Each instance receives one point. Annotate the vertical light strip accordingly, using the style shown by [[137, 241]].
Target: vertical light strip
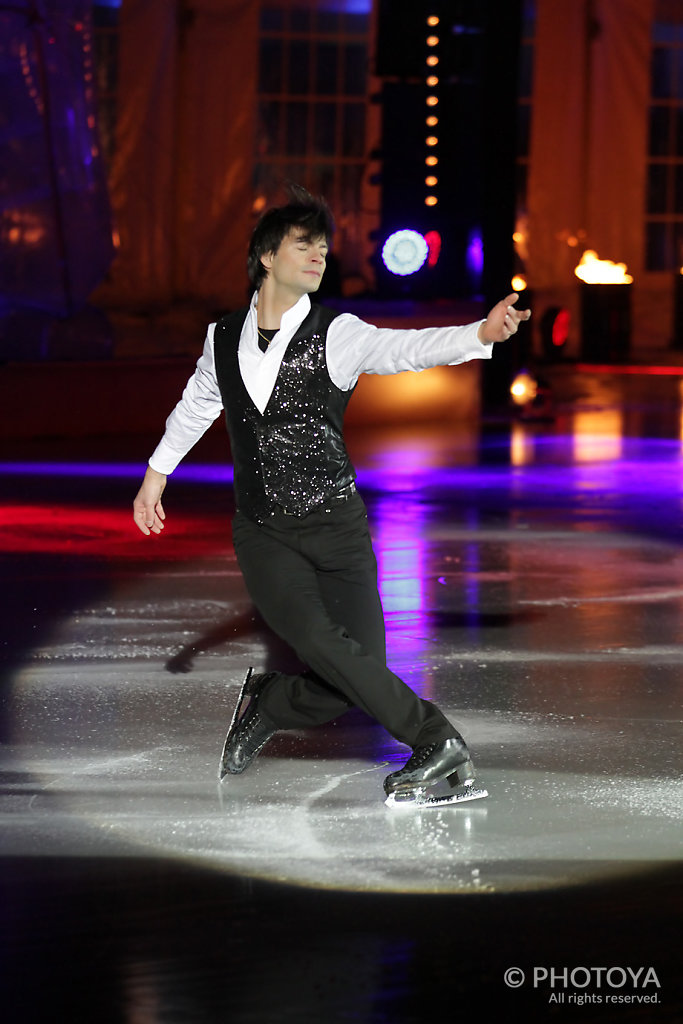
[[432, 76]]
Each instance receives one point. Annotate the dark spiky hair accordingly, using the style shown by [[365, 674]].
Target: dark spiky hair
[[310, 213]]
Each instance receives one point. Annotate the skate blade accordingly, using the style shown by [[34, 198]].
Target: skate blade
[[417, 798], [244, 692]]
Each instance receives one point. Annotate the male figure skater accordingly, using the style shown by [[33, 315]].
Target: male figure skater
[[284, 370]]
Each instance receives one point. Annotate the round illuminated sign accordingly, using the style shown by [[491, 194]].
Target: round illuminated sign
[[404, 252]]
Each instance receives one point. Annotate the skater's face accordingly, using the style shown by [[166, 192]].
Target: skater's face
[[298, 265]]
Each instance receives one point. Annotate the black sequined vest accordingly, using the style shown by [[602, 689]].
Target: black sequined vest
[[293, 454]]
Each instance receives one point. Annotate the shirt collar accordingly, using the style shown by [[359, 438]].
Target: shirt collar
[[296, 314]]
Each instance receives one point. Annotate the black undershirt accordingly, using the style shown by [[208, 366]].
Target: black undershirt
[[266, 336]]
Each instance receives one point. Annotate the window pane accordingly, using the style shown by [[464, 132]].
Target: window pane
[[355, 66], [353, 141], [295, 141], [105, 17], [300, 19], [327, 22], [297, 173], [356, 24], [299, 67], [270, 66], [677, 66], [272, 19], [658, 247], [268, 137], [323, 181], [326, 69], [351, 175], [664, 32], [656, 188], [661, 73], [659, 143], [325, 129]]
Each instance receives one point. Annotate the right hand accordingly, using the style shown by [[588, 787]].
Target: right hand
[[503, 321], [148, 512]]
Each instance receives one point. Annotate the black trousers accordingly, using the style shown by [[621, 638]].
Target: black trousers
[[314, 581]]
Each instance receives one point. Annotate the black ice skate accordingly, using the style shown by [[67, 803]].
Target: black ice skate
[[417, 784], [248, 732]]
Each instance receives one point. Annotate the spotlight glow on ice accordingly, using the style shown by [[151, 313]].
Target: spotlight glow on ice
[[404, 252]]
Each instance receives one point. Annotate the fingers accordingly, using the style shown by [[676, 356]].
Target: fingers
[[148, 518], [503, 321], [144, 520], [157, 526], [513, 317], [518, 314], [139, 520], [510, 323]]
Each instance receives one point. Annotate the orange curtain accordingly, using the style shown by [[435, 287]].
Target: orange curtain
[[558, 139], [589, 135], [181, 180], [619, 130]]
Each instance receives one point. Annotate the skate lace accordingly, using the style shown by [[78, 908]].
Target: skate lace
[[420, 755]]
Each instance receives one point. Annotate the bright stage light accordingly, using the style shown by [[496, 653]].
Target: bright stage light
[[404, 252], [524, 388]]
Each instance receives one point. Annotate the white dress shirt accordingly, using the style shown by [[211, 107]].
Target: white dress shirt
[[353, 347]]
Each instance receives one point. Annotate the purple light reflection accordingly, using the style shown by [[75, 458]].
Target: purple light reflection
[[398, 530], [657, 469], [472, 568], [652, 473], [626, 476], [200, 474]]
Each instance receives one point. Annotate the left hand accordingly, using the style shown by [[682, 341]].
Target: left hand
[[503, 321], [148, 512]]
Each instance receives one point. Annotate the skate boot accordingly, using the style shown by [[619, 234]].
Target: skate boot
[[248, 732], [415, 784]]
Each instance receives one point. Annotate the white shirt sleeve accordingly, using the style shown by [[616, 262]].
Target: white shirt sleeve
[[355, 347], [200, 405]]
